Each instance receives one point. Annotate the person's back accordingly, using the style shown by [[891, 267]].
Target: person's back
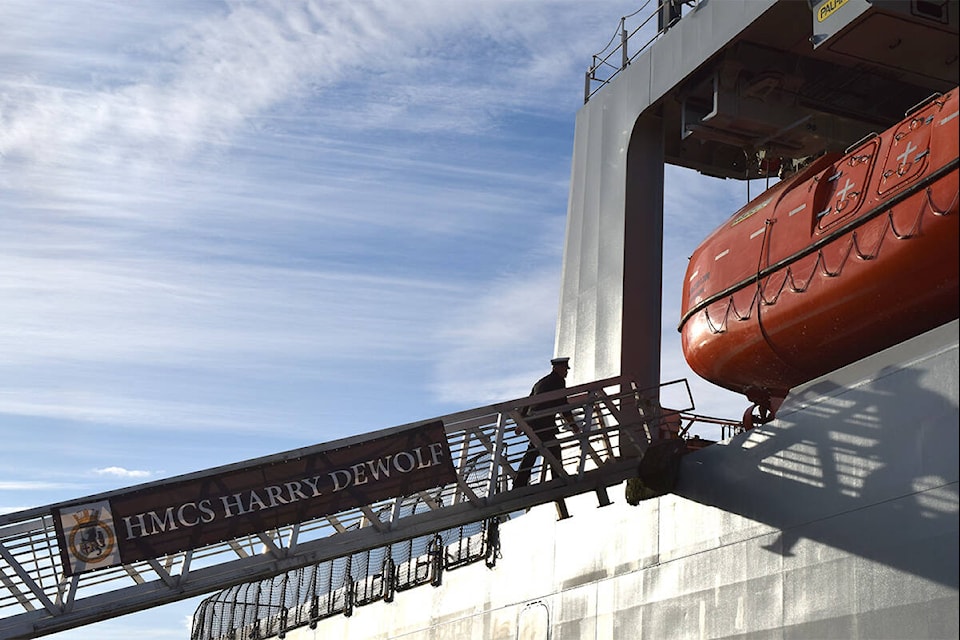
[[553, 381], [545, 427]]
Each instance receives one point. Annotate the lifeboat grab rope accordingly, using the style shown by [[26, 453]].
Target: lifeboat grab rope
[[764, 282], [933, 208]]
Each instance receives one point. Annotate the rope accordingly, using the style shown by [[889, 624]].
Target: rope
[[764, 277]]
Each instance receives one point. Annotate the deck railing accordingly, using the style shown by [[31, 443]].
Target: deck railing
[[616, 55]]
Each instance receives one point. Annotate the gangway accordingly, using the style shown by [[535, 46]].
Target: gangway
[[65, 565]]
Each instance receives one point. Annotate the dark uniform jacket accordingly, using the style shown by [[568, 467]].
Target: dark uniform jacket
[[550, 382]]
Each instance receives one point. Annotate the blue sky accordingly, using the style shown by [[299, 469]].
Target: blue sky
[[229, 229]]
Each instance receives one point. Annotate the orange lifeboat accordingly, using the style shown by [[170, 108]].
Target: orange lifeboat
[[854, 254]]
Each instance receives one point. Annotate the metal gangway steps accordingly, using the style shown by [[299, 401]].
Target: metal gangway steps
[[42, 591]]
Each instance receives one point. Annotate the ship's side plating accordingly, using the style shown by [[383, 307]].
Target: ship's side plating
[[838, 520]]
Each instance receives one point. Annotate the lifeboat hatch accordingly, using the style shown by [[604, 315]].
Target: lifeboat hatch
[[842, 188], [909, 150]]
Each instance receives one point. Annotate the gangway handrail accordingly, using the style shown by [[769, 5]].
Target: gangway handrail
[[618, 420]]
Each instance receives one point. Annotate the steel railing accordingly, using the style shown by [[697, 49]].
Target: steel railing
[[616, 56], [617, 422]]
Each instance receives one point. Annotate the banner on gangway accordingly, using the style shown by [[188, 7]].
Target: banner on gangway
[[165, 518]]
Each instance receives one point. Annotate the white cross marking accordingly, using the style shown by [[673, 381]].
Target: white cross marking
[[846, 187], [906, 152]]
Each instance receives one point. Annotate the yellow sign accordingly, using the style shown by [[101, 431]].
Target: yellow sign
[[749, 212], [828, 8]]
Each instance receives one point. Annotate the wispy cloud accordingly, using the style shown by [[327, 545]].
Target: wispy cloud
[[220, 191], [120, 472], [190, 265], [30, 485], [204, 78], [499, 342]]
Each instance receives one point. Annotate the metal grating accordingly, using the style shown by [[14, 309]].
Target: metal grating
[[303, 597]]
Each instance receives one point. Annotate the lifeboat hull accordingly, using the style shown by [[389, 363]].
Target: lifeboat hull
[[850, 256]]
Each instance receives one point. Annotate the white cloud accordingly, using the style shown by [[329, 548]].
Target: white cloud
[[200, 79], [30, 485], [141, 411], [120, 472], [129, 311], [496, 345]]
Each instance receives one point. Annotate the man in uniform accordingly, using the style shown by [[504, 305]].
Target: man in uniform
[[545, 426]]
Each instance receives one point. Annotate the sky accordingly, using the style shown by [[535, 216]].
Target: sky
[[230, 229]]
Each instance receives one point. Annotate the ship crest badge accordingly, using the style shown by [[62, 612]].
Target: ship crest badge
[[90, 539]]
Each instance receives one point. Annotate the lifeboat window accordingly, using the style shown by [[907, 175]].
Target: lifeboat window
[[842, 189], [909, 150]]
